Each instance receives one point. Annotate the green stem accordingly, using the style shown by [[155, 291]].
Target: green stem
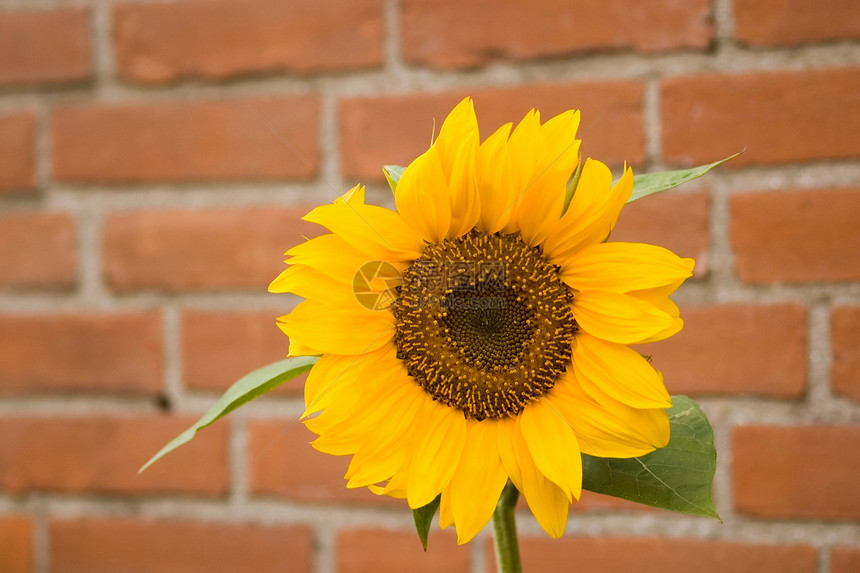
[[505, 529]]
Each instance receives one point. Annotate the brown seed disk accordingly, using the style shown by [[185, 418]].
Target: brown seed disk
[[484, 324]]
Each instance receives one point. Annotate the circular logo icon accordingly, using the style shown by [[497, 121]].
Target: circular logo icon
[[374, 285]]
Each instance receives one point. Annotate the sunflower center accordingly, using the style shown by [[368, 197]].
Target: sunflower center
[[484, 324]]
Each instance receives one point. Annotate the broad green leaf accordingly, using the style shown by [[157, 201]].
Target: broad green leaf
[[393, 174], [650, 183], [244, 390], [423, 517], [678, 477]]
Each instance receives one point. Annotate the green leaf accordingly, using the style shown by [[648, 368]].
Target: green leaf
[[678, 477], [574, 181], [393, 174], [650, 183], [423, 517], [244, 390]]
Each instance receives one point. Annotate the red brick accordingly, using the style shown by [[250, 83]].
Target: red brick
[[791, 22], [384, 551], [218, 348], [149, 546], [283, 463], [777, 117], [16, 544], [677, 221], [845, 345], [451, 33], [38, 250], [844, 560], [17, 148], [796, 236], [45, 47], [736, 349], [163, 42], [186, 141], [236, 248], [803, 472], [82, 352], [385, 130], [659, 555], [102, 455]]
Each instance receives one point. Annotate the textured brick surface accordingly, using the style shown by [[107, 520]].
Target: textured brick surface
[[149, 546], [792, 22], [16, 544], [162, 42], [381, 551], [736, 349], [797, 236], [118, 353], [452, 33], [101, 454], [218, 348], [186, 141], [38, 250], [47, 46], [237, 248], [845, 345], [776, 117], [844, 560], [385, 130], [17, 148], [803, 472], [660, 555]]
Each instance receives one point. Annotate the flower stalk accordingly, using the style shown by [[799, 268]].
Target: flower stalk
[[505, 532]]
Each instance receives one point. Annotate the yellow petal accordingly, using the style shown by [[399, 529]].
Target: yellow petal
[[331, 255], [619, 371], [553, 447], [375, 231], [478, 482], [446, 515], [505, 445], [618, 317], [423, 199], [335, 329], [457, 145], [437, 454], [498, 196], [307, 282], [624, 267], [548, 502]]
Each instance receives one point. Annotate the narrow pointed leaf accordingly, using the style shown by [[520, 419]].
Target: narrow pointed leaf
[[678, 477], [650, 183], [574, 181], [423, 517], [244, 390], [392, 175]]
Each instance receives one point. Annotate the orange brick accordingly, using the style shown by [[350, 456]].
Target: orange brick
[[283, 463], [17, 148], [187, 141], [47, 46], [218, 348], [385, 130], [736, 349], [677, 221], [16, 544], [659, 555], [102, 455], [236, 248], [844, 560], [845, 345], [777, 117], [149, 546], [802, 472], [82, 352], [796, 236], [383, 551], [38, 250], [163, 42], [452, 33], [791, 22]]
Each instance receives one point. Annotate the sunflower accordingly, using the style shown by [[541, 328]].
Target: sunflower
[[502, 353]]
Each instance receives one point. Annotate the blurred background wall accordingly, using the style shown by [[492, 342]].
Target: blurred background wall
[[155, 158]]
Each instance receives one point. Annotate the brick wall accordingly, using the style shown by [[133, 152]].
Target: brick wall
[[154, 160]]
